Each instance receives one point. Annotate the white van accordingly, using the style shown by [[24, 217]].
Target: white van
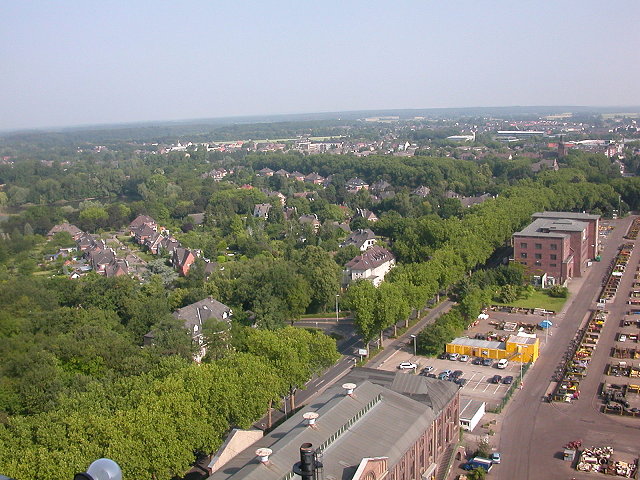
[[503, 363]]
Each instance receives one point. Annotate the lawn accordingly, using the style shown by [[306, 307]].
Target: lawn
[[538, 299]]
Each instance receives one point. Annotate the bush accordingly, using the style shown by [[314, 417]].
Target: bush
[[558, 291]]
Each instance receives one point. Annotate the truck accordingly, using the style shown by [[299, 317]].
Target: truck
[[478, 462]]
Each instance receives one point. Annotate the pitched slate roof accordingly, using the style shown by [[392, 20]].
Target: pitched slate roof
[[359, 237], [142, 220], [71, 229], [375, 421], [372, 258], [198, 312]]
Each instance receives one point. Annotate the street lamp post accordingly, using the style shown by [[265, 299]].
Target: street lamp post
[[414, 345], [521, 362], [337, 307]]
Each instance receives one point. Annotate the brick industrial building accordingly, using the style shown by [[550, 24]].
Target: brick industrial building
[[557, 246], [393, 425]]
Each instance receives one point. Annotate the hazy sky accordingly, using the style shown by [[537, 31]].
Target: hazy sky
[[85, 62]]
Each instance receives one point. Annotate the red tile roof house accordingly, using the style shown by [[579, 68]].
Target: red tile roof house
[[182, 259], [557, 246], [372, 265]]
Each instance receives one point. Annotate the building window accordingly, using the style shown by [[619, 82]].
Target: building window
[[538, 263], [523, 245], [553, 246], [553, 265], [538, 246], [553, 257], [523, 263], [538, 256], [523, 255]]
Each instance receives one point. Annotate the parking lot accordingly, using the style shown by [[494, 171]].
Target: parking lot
[[478, 378]]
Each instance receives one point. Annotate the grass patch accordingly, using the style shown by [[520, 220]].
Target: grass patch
[[538, 299]]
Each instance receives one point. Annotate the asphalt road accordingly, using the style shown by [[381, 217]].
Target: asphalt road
[[533, 433]]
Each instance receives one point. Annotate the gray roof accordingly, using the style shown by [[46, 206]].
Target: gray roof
[[552, 227], [474, 342], [571, 215], [430, 391], [197, 313], [372, 258], [359, 237], [375, 421], [469, 407]]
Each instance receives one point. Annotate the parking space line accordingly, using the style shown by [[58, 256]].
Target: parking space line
[[496, 390], [486, 387]]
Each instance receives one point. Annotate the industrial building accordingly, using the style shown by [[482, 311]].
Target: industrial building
[[519, 348], [557, 246], [379, 424]]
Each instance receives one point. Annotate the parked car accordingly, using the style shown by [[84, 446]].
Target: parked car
[[508, 380], [427, 369], [457, 374], [407, 366], [464, 358], [477, 361], [487, 362], [443, 356], [443, 376], [454, 356], [496, 379], [461, 382], [495, 457], [622, 338], [502, 363]]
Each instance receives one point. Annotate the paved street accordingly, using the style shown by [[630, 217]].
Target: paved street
[[532, 432]]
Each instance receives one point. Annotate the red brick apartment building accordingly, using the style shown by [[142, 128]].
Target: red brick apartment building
[[557, 246]]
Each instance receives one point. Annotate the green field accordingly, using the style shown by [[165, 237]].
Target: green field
[[538, 299]]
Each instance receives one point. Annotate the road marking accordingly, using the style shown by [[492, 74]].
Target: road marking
[[487, 386], [497, 388]]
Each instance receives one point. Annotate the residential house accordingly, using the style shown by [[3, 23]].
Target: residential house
[[366, 214], [265, 172], [282, 173], [182, 259], [380, 186], [311, 219], [422, 191], [297, 176], [261, 210], [314, 178], [117, 268], [217, 174], [85, 242], [271, 193], [471, 201], [196, 314], [71, 229], [356, 184], [372, 265], [142, 233], [141, 220], [361, 238]]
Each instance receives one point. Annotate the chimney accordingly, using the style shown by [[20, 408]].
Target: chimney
[[308, 465], [263, 455], [310, 417], [349, 387]]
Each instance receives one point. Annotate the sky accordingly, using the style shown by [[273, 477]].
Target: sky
[[71, 63]]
